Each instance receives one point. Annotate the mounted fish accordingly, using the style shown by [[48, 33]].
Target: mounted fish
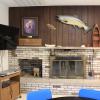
[[70, 20]]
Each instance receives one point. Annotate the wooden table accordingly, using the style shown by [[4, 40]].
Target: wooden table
[[10, 86]]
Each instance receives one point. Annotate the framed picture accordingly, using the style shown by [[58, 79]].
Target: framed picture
[[30, 26]]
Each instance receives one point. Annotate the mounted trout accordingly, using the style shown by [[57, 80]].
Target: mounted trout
[[70, 20]]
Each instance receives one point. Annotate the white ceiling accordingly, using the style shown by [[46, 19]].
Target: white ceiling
[[19, 3]]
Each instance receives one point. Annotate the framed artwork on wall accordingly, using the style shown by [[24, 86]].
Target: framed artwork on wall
[[30, 26]]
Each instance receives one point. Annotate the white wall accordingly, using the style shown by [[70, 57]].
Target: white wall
[[3, 54], [3, 14]]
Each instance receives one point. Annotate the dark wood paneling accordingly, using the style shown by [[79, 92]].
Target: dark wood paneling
[[53, 22], [44, 19], [85, 19], [64, 35], [65, 29], [59, 28]]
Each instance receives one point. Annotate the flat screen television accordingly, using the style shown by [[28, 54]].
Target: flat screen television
[[8, 37]]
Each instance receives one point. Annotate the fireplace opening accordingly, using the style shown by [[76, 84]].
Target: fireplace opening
[[67, 67], [31, 67]]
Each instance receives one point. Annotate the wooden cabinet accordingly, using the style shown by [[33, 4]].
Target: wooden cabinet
[[30, 42], [10, 86], [96, 36], [15, 89], [5, 93]]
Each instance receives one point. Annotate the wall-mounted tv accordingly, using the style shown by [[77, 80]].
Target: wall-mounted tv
[[8, 37]]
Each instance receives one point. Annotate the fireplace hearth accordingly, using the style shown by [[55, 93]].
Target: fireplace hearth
[[31, 67]]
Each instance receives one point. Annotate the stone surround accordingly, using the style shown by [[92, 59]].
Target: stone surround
[[58, 86]]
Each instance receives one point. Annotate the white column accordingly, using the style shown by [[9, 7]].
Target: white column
[[3, 53], [3, 60]]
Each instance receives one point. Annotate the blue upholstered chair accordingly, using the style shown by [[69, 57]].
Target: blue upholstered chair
[[89, 93], [43, 94]]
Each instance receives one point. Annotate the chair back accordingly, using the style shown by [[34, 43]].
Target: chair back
[[43, 94], [89, 93]]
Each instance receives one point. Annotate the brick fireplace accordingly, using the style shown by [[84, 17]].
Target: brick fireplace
[[86, 61]]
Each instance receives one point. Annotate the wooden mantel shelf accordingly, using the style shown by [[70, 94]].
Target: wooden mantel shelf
[[43, 47], [30, 42]]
